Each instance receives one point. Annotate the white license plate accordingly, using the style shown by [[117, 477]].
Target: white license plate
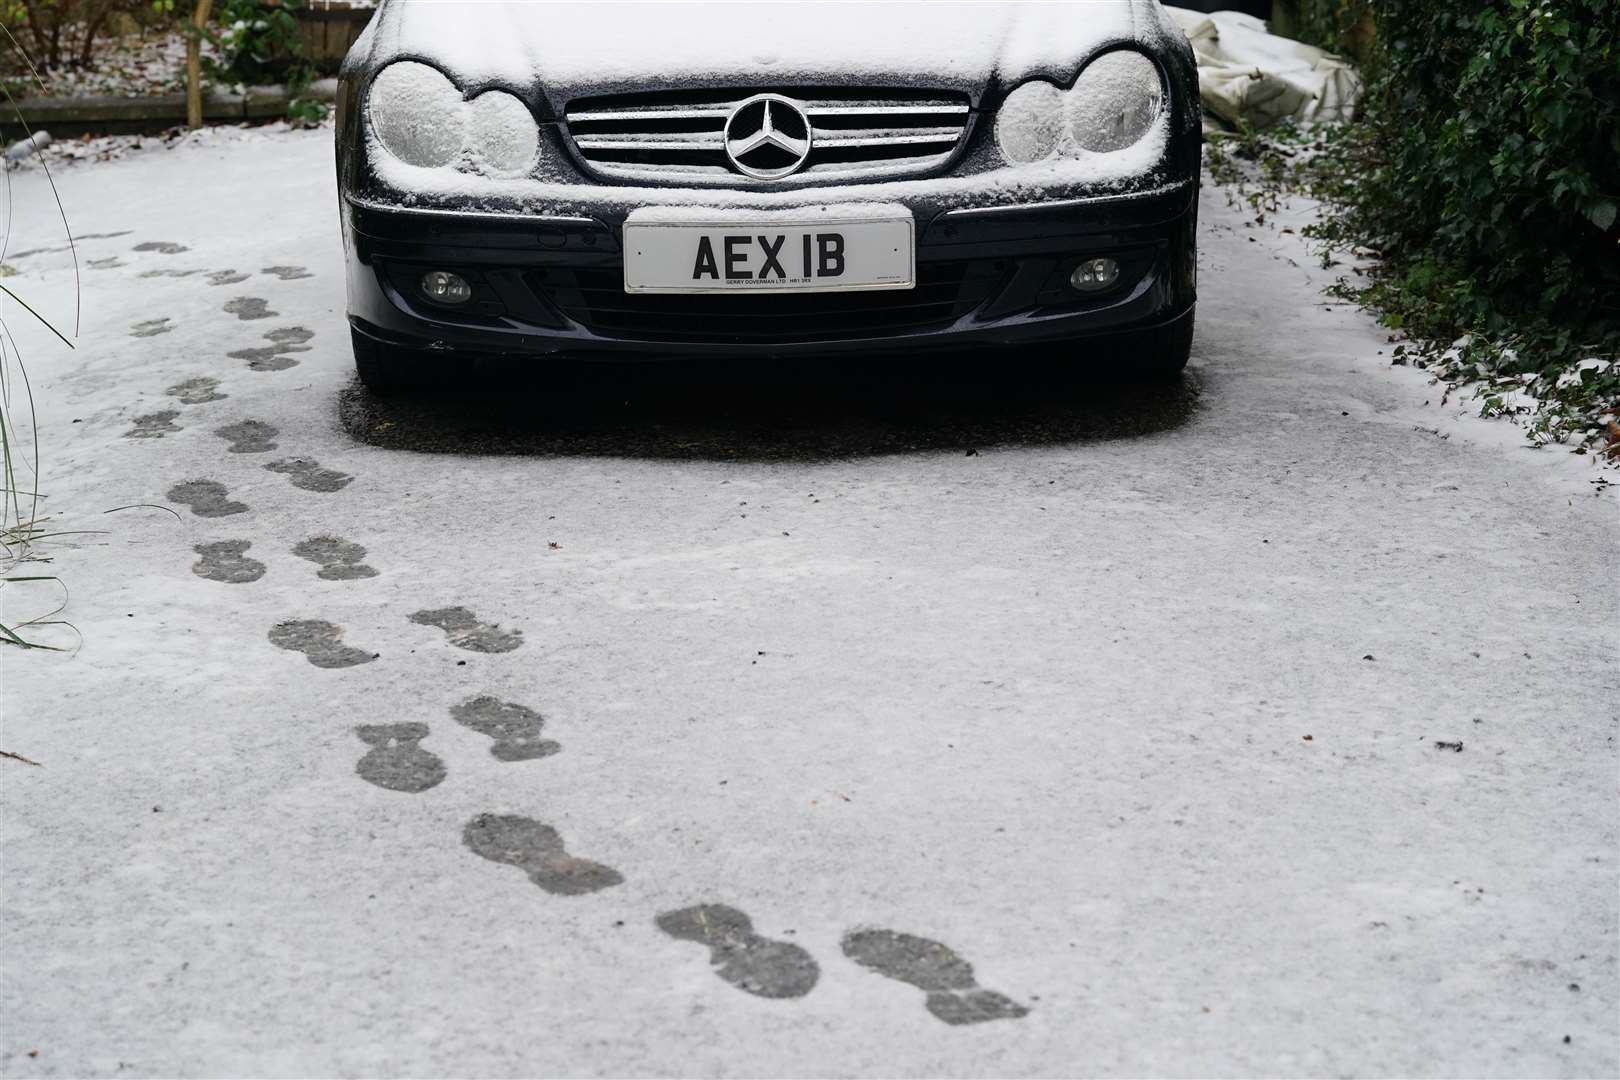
[[769, 255]]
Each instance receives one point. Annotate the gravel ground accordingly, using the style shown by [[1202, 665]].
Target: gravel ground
[[926, 718]]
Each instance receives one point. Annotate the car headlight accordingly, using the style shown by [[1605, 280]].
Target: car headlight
[[1114, 102], [1029, 123], [503, 137], [418, 114], [1112, 105], [421, 118]]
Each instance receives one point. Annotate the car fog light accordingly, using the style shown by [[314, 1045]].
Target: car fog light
[[1095, 275], [443, 287]]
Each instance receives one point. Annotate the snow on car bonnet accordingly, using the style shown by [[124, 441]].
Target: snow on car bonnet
[[578, 49], [552, 53]]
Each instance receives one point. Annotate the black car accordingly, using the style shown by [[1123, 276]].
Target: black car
[[767, 179]]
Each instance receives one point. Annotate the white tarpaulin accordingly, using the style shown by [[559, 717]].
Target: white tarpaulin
[[1248, 75]]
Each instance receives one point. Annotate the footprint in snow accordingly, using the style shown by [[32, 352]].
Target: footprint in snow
[[226, 277], [198, 391], [249, 307], [248, 436], [168, 273], [151, 328], [162, 247], [321, 643], [153, 425], [538, 851], [287, 273], [339, 559], [464, 630], [207, 498], [224, 560], [307, 473], [105, 264], [515, 728], [953, 994], [273, 357], [395, 761], [290, 336], [746, 960], [265, 358]]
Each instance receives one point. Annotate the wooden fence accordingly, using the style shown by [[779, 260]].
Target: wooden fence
[[329, 28]]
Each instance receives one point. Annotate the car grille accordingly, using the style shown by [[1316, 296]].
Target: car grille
[[595, 298], [853, 133]]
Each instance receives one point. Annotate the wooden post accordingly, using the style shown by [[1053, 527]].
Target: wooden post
[[199, 20]]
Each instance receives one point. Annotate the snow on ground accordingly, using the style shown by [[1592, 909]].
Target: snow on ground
[[90, 150], [1143, 703], [129, 65]]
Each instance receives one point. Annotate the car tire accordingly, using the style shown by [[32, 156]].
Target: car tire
[[384, 369], [1165, 351]]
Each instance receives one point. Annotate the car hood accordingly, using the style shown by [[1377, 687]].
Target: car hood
[[551, 53]]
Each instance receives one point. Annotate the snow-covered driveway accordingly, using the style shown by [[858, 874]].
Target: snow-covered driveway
[[940, 722]]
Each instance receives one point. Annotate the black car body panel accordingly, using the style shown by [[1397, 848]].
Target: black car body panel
[[994, 247]]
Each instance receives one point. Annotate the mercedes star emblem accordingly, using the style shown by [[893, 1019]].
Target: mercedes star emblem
[[768, 137]]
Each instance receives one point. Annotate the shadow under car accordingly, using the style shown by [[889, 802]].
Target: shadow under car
[[783, 411]]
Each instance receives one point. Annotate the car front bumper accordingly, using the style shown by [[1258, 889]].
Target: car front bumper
[[985, 278]]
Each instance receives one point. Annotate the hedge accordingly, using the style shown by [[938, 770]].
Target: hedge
[[1488, 167], [1486, 174]]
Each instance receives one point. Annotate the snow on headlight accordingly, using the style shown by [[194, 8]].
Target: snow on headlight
[[503, 136], [420, 118], [1115, 102], [1113, 105], [417, 114], [1029, 122]]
